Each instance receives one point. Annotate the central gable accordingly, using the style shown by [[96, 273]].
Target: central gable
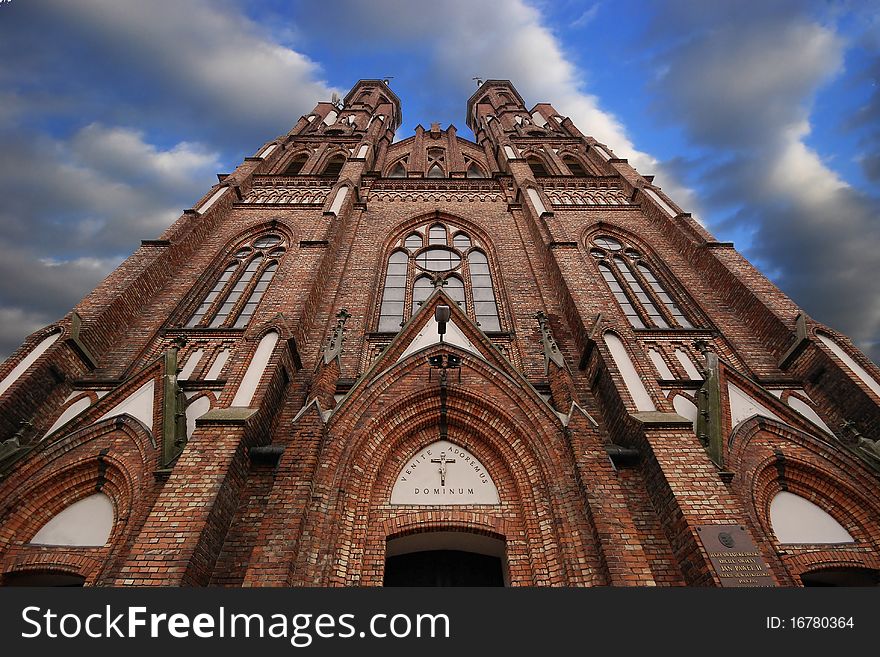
[[430, 335]]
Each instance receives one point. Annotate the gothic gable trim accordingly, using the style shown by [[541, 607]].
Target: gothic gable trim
[[486, 352]]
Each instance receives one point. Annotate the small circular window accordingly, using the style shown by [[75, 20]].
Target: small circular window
[[608, 243], [267, 240], [438, 258]]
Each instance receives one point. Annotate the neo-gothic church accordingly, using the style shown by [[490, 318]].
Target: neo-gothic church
[[510, 361]]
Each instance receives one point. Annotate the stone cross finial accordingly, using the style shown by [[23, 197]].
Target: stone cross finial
[[334, 345]]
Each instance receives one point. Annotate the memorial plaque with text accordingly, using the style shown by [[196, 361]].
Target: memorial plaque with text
[[736, 560]]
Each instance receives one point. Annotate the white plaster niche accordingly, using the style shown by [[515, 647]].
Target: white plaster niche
[[341, 193], [204, 207], [806, 410], [194, 411], [441, 474], [217, 365], [86, 523], [191, 363], [251, 380], [688, 365], [685, 408], [535, 198], [139, 404], [627, 370], [660, 364], [430, 335], [268, 150], [743, 406], [27, 361], [659, 201], [798, 520], [70, 412], [850, 362]]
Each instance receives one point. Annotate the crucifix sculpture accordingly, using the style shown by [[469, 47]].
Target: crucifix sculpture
[[442, 469]]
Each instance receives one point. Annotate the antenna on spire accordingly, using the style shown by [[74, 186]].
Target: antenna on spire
[[479, 82]]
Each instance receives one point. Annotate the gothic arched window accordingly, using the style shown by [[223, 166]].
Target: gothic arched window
[[296, 165], [334, 165], [424, 259], [575, 167], [474, 171], [234, 298], [398, 170], [436, 163], [537, 166], [642, 297]]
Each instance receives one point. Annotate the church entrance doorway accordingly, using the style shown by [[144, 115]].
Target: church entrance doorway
[[842, 577], [445, 559], [30, 578]]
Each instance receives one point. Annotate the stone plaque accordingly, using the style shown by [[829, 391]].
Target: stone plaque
[[734, 556], [444, 473]]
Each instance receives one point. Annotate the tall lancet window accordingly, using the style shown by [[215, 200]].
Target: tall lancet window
[[645, 301], [234, 297], [433, 255]]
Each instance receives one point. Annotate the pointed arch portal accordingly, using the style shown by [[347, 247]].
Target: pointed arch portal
[[445, 558]]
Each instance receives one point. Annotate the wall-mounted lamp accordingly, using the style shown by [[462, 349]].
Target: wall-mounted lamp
[[441, 316]]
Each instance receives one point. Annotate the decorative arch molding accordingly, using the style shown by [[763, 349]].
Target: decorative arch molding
[[299, 154], [819, 562], [769, 457], [49, 563], [114, 457], [522, 448], [528, 154], [34, 348], [468, 524], [334, 151]]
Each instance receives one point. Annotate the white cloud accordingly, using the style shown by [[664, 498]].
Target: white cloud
[[76, 208], [742, 86], [519, 47], [202, 57], [587, 17]]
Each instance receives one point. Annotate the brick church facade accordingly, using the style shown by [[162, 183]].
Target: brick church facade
[[508, 361]]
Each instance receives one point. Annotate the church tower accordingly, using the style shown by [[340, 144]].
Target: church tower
[[508, 361]]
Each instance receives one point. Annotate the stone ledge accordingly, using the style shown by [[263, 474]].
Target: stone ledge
[[231, 415], [657, 418]]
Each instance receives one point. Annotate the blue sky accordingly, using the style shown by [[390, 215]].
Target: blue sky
[[763, 118]]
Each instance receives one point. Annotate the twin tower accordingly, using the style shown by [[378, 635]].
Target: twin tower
[[509, 361]]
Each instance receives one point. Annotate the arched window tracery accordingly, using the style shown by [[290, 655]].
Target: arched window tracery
[[644, 300], [450, 258], [234, 297]]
